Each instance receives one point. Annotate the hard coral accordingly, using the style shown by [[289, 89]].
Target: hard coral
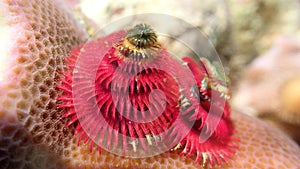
[[36, 137], [37, 35]]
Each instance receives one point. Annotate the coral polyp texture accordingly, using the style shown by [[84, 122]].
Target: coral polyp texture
[[33, 134], [38, 34], [142, 99]]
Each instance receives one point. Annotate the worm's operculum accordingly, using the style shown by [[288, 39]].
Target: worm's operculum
[[140, 43]]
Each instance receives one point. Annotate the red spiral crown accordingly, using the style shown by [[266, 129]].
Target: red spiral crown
[[143, 97]]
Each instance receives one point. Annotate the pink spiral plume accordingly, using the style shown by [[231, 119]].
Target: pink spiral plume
[[212, 97], [140, 99], [36, 40]]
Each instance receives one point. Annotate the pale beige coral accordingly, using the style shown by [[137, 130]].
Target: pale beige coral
[[32, 133], [264, 77], [290, 100], [270, 86]]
